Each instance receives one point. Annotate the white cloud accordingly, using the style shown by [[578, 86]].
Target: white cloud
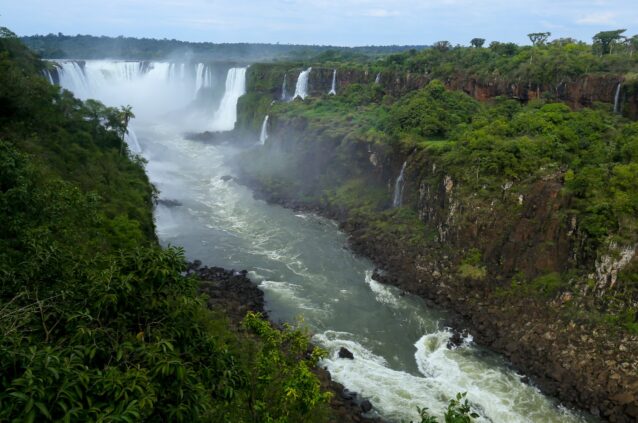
[[605, 18], [381, 13]]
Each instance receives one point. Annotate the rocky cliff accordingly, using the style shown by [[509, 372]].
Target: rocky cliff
[[492, 257], [266, 83]]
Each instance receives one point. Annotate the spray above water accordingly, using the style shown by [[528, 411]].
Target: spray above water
[[301, 89]]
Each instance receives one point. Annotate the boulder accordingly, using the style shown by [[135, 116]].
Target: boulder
[[345, 353], [366, 406]]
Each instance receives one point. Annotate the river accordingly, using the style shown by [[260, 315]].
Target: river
[[310, 277]]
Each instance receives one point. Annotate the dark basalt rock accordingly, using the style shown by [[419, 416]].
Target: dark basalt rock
[[345, 353], [209, 137], [366, 406], [456, 340], [232, 292], [168, 203], [228, 290]]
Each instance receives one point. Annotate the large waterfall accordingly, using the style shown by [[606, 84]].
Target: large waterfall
[[263, 136], [377, 80], [301, 89], [226, 115], [617, 98], [398, 187], [156, 89], [333, 90]]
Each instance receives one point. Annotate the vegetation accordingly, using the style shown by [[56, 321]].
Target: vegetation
[[97, 322], [458, 411], [60, 46], [495, 152]]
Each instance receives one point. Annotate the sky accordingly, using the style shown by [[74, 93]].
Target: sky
[[326, 22]]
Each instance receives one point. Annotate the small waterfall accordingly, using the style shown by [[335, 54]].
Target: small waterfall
[[284, 88], [203, 77], [398, 187], [49, 76], [301, 90], [226, 115], [617, 104], [263, 136], [333, 90], [377, 80], [132, 142]]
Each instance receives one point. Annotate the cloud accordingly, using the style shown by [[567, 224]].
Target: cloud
[[381, 13], [606, 18], [337, 22]]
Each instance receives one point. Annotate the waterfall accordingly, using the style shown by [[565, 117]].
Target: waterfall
[[617, 98], [73, 78], [226, 115], [333, 90], [203, 77], [284, 88], [398, 187], [377, 80], [301, 90], [49, 76], [264, 131], [132, 142]]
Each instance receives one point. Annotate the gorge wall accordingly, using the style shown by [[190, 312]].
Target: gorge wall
[[492, 257], [265, 81]]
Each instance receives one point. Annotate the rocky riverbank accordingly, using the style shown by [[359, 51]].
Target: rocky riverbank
[[234, 294], [585, 365]]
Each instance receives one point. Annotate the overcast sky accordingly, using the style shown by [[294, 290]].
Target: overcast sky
[[335, 22]]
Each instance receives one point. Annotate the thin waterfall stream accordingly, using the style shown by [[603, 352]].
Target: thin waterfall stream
[[402, 360]]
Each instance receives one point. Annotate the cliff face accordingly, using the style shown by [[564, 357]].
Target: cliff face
[[520, 237], [577, 93]]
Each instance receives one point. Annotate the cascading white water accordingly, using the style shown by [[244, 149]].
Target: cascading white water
[[226, 115], [617, 98], [263, 136], [49, 76], [301, 89], [284, 88], [132, 141], [398, 187], [333, 90], [72, 77], [203, 77], [377, 80]]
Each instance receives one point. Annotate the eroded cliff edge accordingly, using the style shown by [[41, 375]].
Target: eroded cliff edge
[[515, 259]]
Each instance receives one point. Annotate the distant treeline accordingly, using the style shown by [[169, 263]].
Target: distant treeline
[[90, 47]]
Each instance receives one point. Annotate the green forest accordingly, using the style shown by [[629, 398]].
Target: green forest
[[483, 146], [60, 46], [97, 322]]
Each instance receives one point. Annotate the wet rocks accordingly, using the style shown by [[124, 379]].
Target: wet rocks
[[168, 203], [232, 292], [228, 290], [345, 353], [366, 406]]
